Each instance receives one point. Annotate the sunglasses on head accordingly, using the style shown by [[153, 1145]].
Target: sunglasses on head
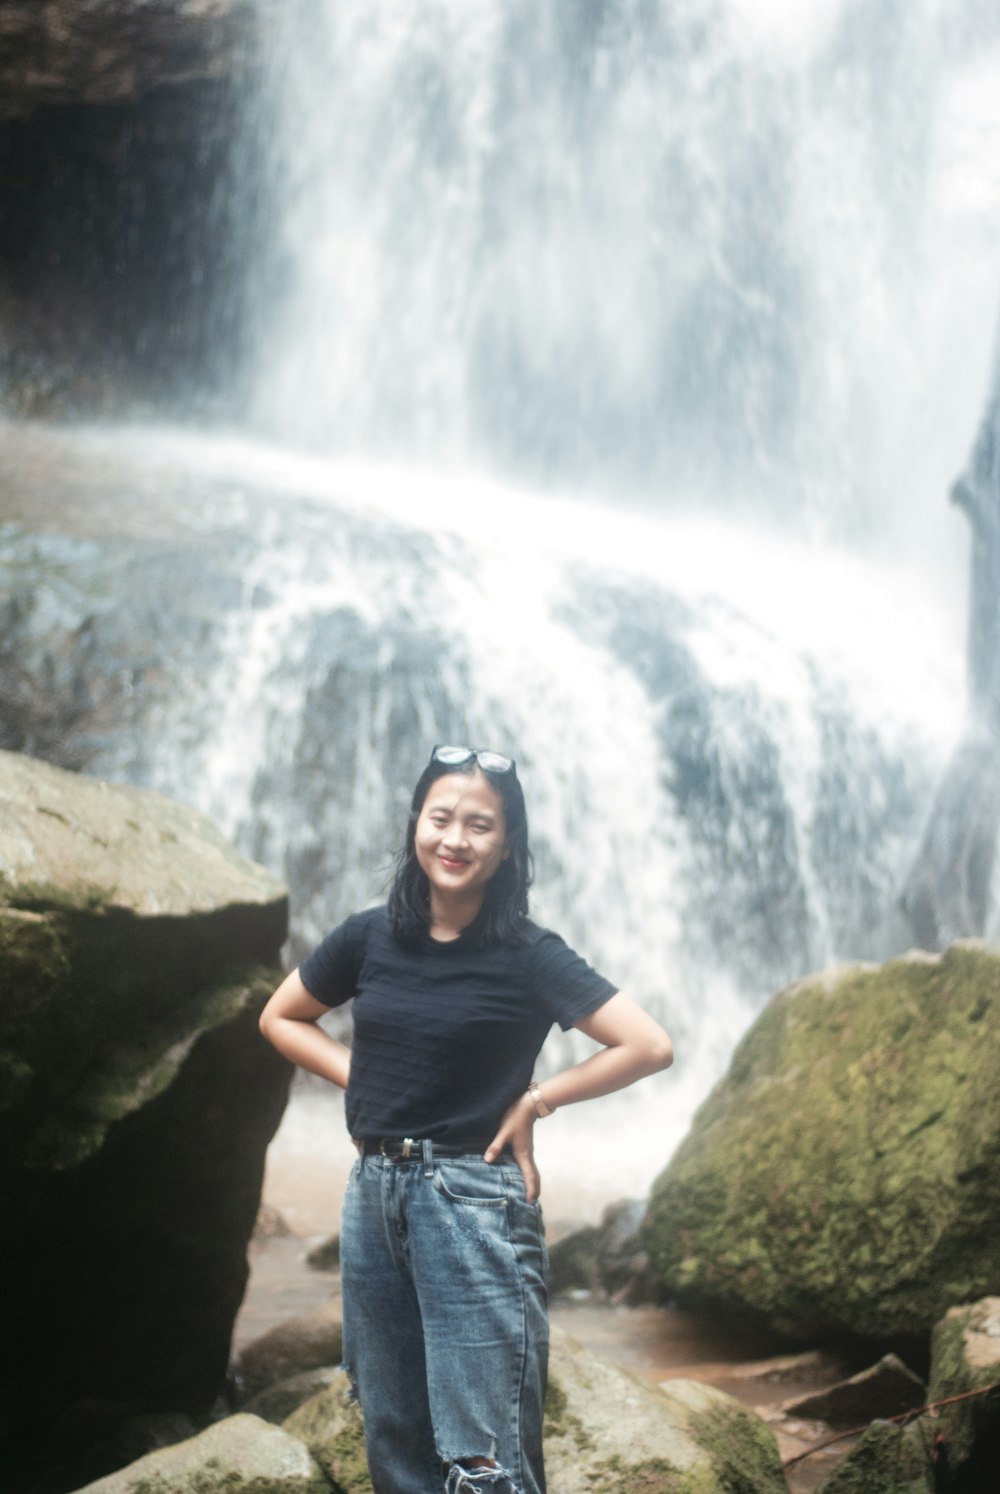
[[457, 757]]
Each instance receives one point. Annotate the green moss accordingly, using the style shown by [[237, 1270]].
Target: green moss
[[343, 1460], [743, 1450], [34, 967], [652, 1476], [559, 1419], [962, 1425], [844, 1175], [48, 897], [885, 1460], [140, 1066], [555, 1401]]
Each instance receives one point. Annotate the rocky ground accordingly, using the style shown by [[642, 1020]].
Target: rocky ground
[[652, 1343]]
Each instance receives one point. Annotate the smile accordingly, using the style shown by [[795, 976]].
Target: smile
[[452, 862]]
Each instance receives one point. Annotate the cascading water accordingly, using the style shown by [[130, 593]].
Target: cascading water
[[732, 263], [735, 254], [727, 742]]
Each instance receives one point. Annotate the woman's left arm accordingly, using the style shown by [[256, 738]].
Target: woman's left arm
[[633, 1045]]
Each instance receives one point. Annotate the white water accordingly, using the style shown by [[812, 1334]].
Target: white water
[[729, 261], [636, 347], [823, 684], [734, 255]]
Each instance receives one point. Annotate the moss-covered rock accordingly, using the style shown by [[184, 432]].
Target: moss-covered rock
[[128, 925], [137, 1099], [607, 1432], [886, 1459], [241, 1455], [965, 1356], [330, 1426], [844, 1177]]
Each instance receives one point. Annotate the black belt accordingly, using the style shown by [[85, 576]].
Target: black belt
[[406, 1149]]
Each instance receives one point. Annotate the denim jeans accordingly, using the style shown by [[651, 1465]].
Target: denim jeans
[[445, 1325]]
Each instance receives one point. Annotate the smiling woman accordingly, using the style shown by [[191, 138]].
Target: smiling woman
[[460, 843], [442, 1244]]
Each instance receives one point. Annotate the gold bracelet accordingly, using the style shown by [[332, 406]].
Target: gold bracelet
[[538, 1100]]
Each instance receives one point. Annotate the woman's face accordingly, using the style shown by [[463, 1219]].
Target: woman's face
[[460, 835]]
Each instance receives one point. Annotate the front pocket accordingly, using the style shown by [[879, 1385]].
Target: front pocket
[[470, 1182]]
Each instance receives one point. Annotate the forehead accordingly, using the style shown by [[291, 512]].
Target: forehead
[[472, 793]]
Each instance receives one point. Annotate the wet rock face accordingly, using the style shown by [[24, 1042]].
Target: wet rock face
[[844, 1178], [136, 1103], [106, 52], [122, 156]]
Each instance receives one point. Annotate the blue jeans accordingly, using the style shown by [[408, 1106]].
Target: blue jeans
[[445, 1324]]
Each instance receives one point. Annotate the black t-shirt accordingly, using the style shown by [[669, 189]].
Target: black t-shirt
[[445, 1034]]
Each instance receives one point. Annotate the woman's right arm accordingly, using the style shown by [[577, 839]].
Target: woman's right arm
[[289, 1020]]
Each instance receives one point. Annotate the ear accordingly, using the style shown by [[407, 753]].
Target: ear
[[506, 853]]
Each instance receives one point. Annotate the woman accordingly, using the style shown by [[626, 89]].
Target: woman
[[442, 1252]]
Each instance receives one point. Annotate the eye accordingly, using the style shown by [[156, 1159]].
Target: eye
[[480, 827]]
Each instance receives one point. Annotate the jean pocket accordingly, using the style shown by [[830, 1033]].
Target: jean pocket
[[470, 1182]]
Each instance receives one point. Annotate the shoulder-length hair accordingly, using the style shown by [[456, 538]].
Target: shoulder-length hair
[[502, 917]]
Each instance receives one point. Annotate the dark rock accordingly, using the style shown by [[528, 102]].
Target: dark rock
[[965, 1356], [624, 1269], [277, 1402], [885, 1390], [136, 1103], [122, 155], [812, 1367], [271, 1224], [887, 1459], [108, 52], [326, 1255], [309, 1341], [573, 1261], [606, 1259], [843, 1179]]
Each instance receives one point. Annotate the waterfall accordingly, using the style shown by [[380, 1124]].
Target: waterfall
[[727, 741], [725, 254], [610, 365]]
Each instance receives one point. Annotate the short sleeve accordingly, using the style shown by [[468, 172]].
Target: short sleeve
[[331, 972], [566, 986]]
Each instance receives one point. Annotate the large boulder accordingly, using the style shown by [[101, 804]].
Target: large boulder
[[136, 1103], [241, 1455], [843, 1179]]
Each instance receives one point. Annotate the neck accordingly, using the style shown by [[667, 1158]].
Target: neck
[[449, 916]]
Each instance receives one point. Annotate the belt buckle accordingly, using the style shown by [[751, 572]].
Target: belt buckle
[[405, 1150]]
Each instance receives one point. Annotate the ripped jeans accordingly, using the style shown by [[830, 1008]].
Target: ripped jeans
[[445, 1325]]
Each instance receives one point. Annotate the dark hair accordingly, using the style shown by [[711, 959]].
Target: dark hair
[[505, 901]]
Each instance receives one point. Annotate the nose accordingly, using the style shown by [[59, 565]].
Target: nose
[[454, 838]]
